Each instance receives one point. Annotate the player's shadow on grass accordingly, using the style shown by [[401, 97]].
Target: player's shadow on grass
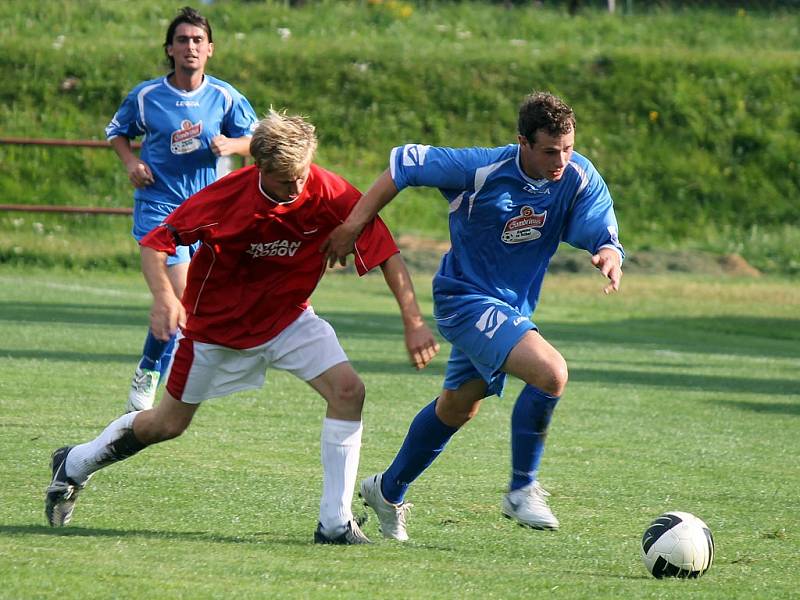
[[730, 335], [760, 337], [351, 324], [400, 365], [670, 379], [722, 336], [83, 314], [65, 356], [254, 538], [773, 408]]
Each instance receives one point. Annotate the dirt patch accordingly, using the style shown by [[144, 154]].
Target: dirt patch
[[703, 263], [736, 265], [424, 254]]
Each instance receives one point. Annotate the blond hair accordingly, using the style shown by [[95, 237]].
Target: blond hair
[[283, 143]]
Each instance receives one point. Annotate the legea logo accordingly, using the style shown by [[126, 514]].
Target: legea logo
[[414, 155], [490, 322], [532, 189]]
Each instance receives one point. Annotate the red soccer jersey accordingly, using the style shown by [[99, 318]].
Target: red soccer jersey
[[258, 259]]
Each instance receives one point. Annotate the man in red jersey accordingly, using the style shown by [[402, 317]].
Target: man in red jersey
[[245, 309]]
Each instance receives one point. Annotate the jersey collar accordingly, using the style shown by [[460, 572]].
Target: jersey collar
[[278, 202], [184, 93]]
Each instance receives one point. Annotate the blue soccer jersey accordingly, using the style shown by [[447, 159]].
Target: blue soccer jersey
[[178, 127], [505, 226]]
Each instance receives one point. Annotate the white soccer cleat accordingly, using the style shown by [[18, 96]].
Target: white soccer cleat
[[392, 517], [142, 394], [528, 507]]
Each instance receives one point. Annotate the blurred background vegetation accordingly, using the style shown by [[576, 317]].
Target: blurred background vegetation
[[690, 110]]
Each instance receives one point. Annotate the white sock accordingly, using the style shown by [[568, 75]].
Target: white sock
[[340, 449], [85, 459]]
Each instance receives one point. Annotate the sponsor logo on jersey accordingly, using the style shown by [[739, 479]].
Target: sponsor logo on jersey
[[186, 139], [524, 227], [276, 248], [518, 320], [414, 155], [490, 321], [532, 189], [188, 103]]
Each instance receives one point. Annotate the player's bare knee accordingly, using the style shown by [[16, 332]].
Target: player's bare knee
[[457, 418], [455, 415], [559, 375], [553, 379], [349, 396]]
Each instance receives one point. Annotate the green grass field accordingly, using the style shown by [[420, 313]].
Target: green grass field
[[684, 395]]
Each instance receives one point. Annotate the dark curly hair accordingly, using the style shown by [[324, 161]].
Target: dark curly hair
[[543, 110]]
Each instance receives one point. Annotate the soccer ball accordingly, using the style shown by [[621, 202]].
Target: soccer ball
[[677, 544]]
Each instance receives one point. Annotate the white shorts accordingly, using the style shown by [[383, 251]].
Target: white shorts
[[306, 348]]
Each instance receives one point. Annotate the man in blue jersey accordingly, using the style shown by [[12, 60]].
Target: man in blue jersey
[[189, 120], [510, 207]]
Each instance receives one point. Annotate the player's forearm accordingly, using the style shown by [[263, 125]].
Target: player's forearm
[[241, 146], [378, 195], [122, 146], [154, 269], [399, 281]]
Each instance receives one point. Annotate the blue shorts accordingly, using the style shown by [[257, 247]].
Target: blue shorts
[[149, 215], [483, 331]]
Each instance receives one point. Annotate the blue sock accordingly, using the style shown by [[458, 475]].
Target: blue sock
[[529, 420], [153, 351], [166, 357], [426, 438]]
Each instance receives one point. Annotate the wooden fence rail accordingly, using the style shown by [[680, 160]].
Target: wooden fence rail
[[89, 210]]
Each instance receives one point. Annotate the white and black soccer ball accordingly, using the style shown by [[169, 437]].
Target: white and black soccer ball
[[677, 544]]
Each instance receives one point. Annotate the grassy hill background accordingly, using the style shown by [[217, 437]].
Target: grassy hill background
[[691, 115]]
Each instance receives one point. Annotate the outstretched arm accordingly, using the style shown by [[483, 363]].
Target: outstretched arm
[[167, 312], [609, 261], [342, 240], [420, 343]]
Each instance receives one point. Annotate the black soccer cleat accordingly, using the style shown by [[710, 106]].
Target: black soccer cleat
[[351, 535], [61, 494]]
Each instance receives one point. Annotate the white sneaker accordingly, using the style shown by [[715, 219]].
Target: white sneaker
[[142, 394], [392, 517], [528, 507]]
